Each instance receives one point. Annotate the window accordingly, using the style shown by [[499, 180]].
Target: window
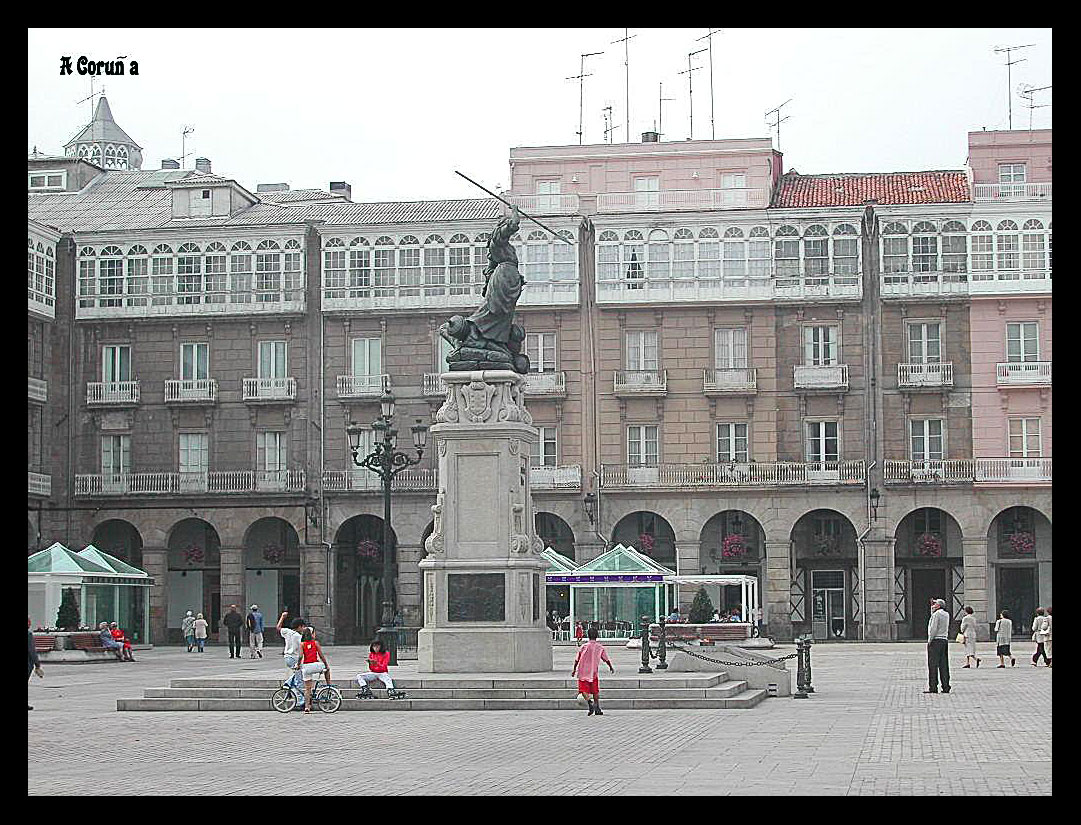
[[683, 254], [547, 195], [161, 275], [189, 279], [537, 255], [272, 360], [110, 277], [1022, 342], [983, 249], [271, 453], [115, 455], [367, 357], [1007, 257], [240, 271], [821, 441], [815, 251], [1032, 247], [733, 180], [541, 349], [733, 186], [845, 250], [925, 436], [894, 248], [658, 262], [758, 253], [194, 362], [927, 520], [138, 278], [642, 445], [1024, 438], [641, 351], [409, 271], [709, 253], [334, 256], [954, 247], [924, 247], [735, 253], [294, 275], [633, 257], [214, 266], [647, 192], [1011, 179], [544, 451], [820, 345], [786, 252], [731, 443], [564, 259], [459, 265], [730, 348], [435, 265], [87, 277], [116, 363], [924, 343], [608, 250], [268, 272], [47, 180], [194, 456]]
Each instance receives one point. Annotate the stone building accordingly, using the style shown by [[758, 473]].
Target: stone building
[[837, 383]]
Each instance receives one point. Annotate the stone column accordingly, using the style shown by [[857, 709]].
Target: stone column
[[313, 591], [876, 574], [777, 598], [977, 594], [232, 583], [688, 563], [408, 584], [484, 576], [587, 548], [156, 564]]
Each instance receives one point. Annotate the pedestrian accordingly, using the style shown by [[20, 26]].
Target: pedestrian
[[187, 630], [968, 633], [256, 627], [33, 663], [579, 633], [378, 662], [1047, 644], [200, 631], [1003, 634], [312, 663], [938, 648], [291, 635], [1040, 626], [233, 621], [586, 665]]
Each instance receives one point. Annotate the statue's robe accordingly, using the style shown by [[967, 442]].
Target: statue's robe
[[494, 317]]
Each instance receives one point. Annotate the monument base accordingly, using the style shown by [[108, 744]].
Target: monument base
[[484, 650]]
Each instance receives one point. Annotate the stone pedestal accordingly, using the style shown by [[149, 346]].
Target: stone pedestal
[[483, 576]]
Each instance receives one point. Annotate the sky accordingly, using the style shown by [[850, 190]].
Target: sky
[[395, 111]]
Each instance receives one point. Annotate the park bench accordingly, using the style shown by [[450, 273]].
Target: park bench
[[44, 644], [90, 642], [722, 632]]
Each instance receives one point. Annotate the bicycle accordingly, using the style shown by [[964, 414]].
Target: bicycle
[[326, 697]]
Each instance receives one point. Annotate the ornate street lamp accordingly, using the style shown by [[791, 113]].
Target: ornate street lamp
[[590, 503], [875, 496], [386, 462]]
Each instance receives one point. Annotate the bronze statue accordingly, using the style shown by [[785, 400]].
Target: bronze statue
[[489, 338]]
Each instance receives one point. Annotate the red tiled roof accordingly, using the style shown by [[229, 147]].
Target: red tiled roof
[[798, 190]]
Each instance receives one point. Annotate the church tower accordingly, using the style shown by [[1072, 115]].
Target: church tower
[[105, 144]]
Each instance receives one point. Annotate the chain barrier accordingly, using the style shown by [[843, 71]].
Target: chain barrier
[[725, 662]]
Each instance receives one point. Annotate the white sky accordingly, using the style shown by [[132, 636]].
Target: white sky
[[394, 112]]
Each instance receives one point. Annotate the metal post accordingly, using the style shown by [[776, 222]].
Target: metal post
[[662, 647], [386, 632], [800, 678], [645, 668], [807, 666]]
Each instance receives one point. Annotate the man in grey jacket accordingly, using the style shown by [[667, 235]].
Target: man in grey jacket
[[938, 654]]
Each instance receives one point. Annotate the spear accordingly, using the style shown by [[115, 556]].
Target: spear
[[512, 206]]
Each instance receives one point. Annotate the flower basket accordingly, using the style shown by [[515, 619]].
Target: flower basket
[[1023, 544], [826, 545], [194, 555], [734, 547], [929, 545], [274, 555], [646, 543], [367, 549]]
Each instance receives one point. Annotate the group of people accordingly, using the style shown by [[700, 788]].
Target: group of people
[[114, 639], [195, 630], [938, 660], [735, 614]]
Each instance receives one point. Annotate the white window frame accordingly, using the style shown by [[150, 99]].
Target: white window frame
[[276, 352], [1024, 427], [813, 350], [46, 174], [540, 455], [923, 430], [638, 443], [198, 364], [822, 435], [730, 434], [1023, 355], [922, 341], [366, 356], [193, 454], [116, 446], [541, 349], [730, 350], [643, 341], [114, 366], [272, 451], [647, 191]]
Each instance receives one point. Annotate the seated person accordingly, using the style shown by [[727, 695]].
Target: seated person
[[715, 618], [674, 615], [108, 642], [118, 634], [378, 660], [735, 616]]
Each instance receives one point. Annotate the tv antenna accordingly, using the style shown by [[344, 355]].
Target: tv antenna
[[626, 78], [1009, 75], [661, 100], [609, 128], [776, 125], [709, 36], [690, 86], [581, 78], [1027, 92], [185, 131], [91, 97]]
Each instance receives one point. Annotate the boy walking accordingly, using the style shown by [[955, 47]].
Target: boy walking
[[255, 632], [586, 665]]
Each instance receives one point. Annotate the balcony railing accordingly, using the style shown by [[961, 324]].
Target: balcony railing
[[39, 484], [180, 483], [1013, 469], [112, 393], [915, 376], [832, 377], [361, 480], [174, 303], [362, 386], [730, 381], [36, 389], [546, 384], [662, 289], [967, 470], [568, 477], [959, 284], [641, 382], [547, 204], [1011, 192], [191, 391], [536, 292], [753, 474], [1024, 373], [270, 389], [434, 385], [682, 199]]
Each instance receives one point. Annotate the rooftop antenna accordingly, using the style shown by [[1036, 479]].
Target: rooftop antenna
[[609, 128], [627, 78], [1009, 75], [690, 87], [777, 123], [581, 78], [187, 130], [91, 97], [1027, 92], [661, 100], [709, 36]]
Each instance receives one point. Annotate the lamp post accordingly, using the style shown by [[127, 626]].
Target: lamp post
[[386, 461], [590, 503], [875, 497]]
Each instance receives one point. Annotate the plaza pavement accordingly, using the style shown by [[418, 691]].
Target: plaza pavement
[[867, 730]]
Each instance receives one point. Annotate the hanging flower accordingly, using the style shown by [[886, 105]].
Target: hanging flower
[[367, 549], [929, 544], [646, 542], [826, 544], [274, 555], [194, 555], [734, 547], [1023, 544]]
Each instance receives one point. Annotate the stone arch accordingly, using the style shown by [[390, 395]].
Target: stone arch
[[632, 529], [272, 567], [193, 578], [554, 532], [928, 553], [120, 538], [358, 573], [826, 578], [1019, 555], [719, 552]]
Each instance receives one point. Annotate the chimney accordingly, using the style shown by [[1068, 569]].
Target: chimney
[[649, 137], [271, 187], [169, 163], [342, 187], [202, 165]]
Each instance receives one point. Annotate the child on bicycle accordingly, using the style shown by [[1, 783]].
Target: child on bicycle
[[378, 660], [312, 663]]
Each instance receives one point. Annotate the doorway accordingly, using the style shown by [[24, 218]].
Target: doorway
[[1017, 593], [828, 604], [927, 583]]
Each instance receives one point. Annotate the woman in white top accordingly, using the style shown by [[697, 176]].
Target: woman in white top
[[1040, 626], [1003, 634], [200, 631], [968, 630], [1047, 644]]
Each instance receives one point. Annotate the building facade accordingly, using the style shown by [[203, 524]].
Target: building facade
[[837, 383]]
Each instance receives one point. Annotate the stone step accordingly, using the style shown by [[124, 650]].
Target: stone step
[[646, 682], [746, 699]]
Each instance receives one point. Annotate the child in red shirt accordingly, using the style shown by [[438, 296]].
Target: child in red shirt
[[378, 661], [586, 665], [118, 634]]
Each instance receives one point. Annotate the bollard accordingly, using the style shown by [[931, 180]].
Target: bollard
[[807, 668], [645, 668], [800, 676], [662, 647]]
